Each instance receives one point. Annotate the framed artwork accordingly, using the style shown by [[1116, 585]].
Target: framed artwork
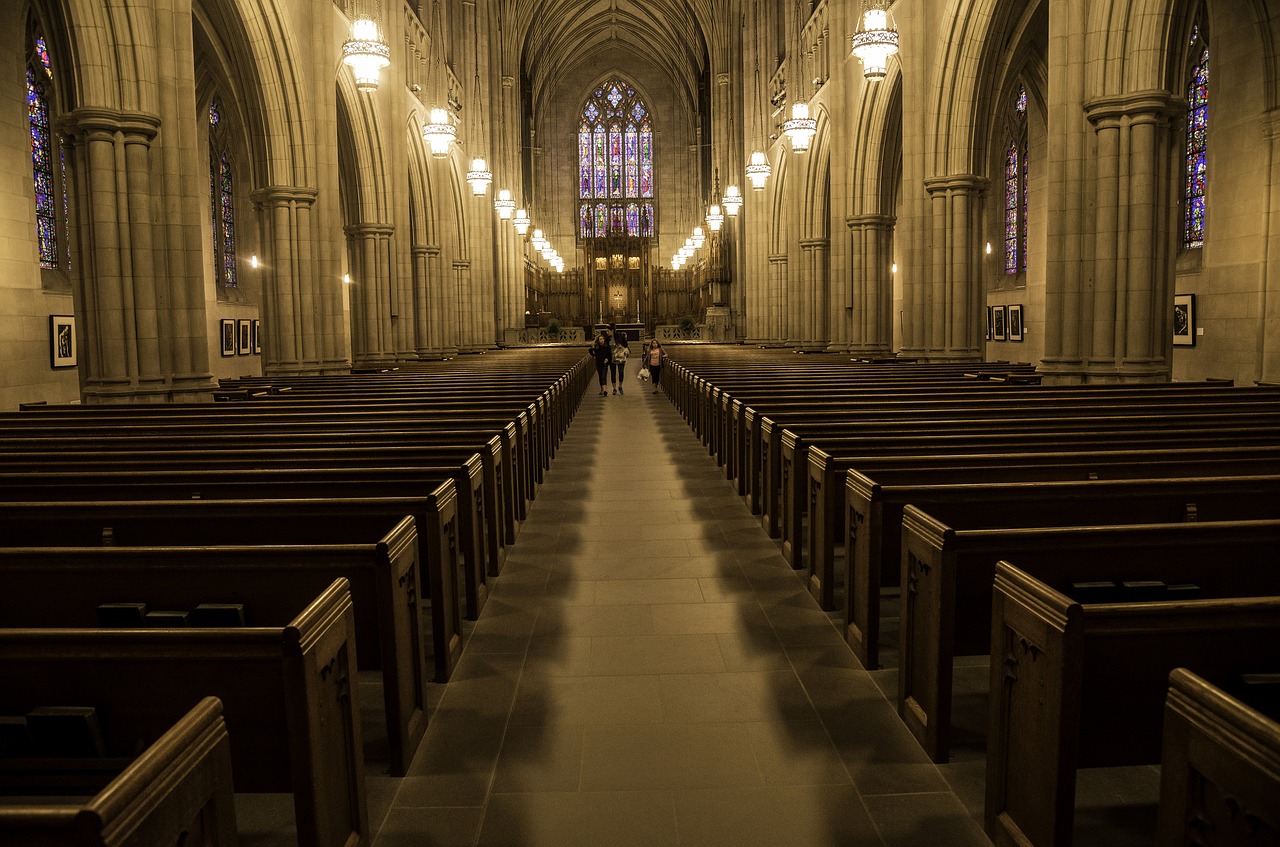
[[988, 323], [998, 330], [244, 344], [228, 332], [1184, 320], [62, 341], [1014, 322], [257, 339]]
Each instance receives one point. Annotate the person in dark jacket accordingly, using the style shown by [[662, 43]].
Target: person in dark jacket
[[602, 352]]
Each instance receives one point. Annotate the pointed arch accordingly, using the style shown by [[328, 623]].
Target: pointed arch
[[816, 208], [371, 180], [875, 163]]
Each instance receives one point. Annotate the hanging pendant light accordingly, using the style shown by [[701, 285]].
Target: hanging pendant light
[[504, 205], [715, 218], [439, 133], [479, 177], [537, 240], [759, 170], [801, 128], [732, 201], [876, 39], [521, 221], [698, 237], [366, 53]]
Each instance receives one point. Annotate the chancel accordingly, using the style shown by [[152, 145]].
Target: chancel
[[937, 512]]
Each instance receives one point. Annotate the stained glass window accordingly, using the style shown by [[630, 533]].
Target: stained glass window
[[48, 156], [1197, 152], [584, 162], [43, 52], [1015, 187], [615, 163], [222, 198], [42, 171]]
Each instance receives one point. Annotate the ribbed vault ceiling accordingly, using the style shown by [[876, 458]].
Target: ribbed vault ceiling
[[558, 36]]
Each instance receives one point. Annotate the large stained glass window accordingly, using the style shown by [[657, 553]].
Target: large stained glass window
[[48, 162], [1197, 146], [615, 164], [222, 198], [1015, 187], [42, 171]]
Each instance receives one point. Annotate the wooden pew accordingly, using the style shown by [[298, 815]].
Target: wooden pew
[[876, 495], [783, 450], [1219, 767], [503, 504], [287, 691], [799, 485], [949, 555], [1083, 684], [347, 425], [163, 475], [146, 523], [269, 580], [744, 429], [177, 791]]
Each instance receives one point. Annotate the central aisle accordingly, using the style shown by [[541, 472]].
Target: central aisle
[[650, 672]]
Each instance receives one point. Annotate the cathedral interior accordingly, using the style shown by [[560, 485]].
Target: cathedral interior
[[209, 190]]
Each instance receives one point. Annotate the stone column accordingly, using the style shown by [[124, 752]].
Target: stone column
[[1067, 277], [1132, 228], [295, 325], [871, 280], [373, 343], [814, 261], [775, 298], [1269, 284], [458, 290], [952, 278], [118, 296], [421, 311]]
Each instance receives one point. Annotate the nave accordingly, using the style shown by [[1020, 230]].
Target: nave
[[649, 671]]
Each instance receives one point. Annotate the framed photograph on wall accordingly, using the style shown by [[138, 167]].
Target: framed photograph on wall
[[244, 345], [998, 331], [257, 338], [62, 341], [1184, 320], [1015, 322], [228, 335]]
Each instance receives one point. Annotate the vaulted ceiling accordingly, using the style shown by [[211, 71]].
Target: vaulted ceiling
[[556, 37]]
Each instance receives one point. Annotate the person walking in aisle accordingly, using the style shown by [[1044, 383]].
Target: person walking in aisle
[[602, 352], [653, 359], [620, 353]]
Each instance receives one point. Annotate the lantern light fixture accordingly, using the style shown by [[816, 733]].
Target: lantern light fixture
[[759, 170], [876, 39], [698, 237], [366, 53], [801, 128], [715, 218], [732, 201], [504, 204], [521, 221], [440, 133], [479, 177]]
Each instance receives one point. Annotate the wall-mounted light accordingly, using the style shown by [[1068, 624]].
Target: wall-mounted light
[[988, 248], [253, 261], [894, 268], [346, 278]]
